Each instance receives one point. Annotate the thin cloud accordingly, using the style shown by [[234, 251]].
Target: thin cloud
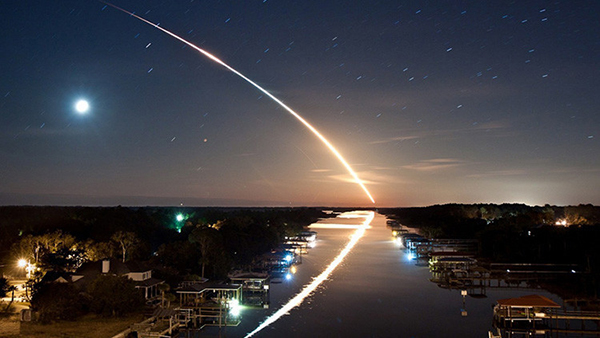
[[321, 170], [500, 173], [438, 164], [397, 139], [449, 133]]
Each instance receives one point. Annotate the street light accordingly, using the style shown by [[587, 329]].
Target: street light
[[179, 218], [22, 263], [29, 268]]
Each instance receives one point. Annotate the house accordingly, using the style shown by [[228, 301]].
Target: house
[[60, 277], [141, 275]]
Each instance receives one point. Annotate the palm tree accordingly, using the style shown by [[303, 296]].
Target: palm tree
[[5, 288]]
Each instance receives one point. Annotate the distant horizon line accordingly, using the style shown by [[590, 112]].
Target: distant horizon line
[[78, 200]]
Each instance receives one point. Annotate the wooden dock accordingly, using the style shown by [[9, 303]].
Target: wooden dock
[[538, 315]]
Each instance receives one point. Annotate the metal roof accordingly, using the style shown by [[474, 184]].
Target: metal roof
[[528, 301]]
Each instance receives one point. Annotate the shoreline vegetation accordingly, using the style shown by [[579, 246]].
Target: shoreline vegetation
[[192, 243], [517, 233]]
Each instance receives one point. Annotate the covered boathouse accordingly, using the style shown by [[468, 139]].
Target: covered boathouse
[[526, 308]]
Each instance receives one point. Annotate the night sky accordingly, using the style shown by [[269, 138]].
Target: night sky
[[430, 102]]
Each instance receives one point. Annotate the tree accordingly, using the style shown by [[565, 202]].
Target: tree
[[95, 251], [5, 289], [207, 238], [431, 231], [114, 295], [35, 248], [183, 256], [126, 240], [57, 301], [573, 217], [29, 248]]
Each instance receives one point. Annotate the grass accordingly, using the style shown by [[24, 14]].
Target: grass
[[89, 326]]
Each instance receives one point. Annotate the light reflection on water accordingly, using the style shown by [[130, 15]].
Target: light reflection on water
[[375, 292], [309, 288]]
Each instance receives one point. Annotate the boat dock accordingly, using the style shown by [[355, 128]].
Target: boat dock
[[538, 315]]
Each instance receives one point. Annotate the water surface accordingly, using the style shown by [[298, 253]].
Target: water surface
[[375, 292]]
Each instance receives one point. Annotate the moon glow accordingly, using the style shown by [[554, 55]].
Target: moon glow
[[82, 106]]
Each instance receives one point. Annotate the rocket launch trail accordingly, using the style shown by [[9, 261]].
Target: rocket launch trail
[[290, 110]]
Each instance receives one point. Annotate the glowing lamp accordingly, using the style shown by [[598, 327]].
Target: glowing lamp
[[234, 307]]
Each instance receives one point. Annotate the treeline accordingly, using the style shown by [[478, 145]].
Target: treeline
[[515, 232], [177, 241]]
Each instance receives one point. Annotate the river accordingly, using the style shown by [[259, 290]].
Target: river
[[375, 292]]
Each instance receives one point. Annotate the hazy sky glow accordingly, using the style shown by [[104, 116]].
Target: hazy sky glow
[[444, 102]]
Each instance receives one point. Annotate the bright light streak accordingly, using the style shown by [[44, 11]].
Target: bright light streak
[[217, 60], [353, 214], [308, 289], [336, 226], [323, 224]]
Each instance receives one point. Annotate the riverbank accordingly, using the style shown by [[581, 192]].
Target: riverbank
[[376, 292]]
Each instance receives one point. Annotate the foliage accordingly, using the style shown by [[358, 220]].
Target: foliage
[[183, 256], [50, 251], [61, 238], [5, 287], [63, 259], [210, 243], [95, 251], [114, 295], [57, 301], [125, 240], [515, 232]]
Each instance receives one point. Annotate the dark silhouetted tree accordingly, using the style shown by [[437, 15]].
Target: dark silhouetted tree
[[114, 295], [57, 301]]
